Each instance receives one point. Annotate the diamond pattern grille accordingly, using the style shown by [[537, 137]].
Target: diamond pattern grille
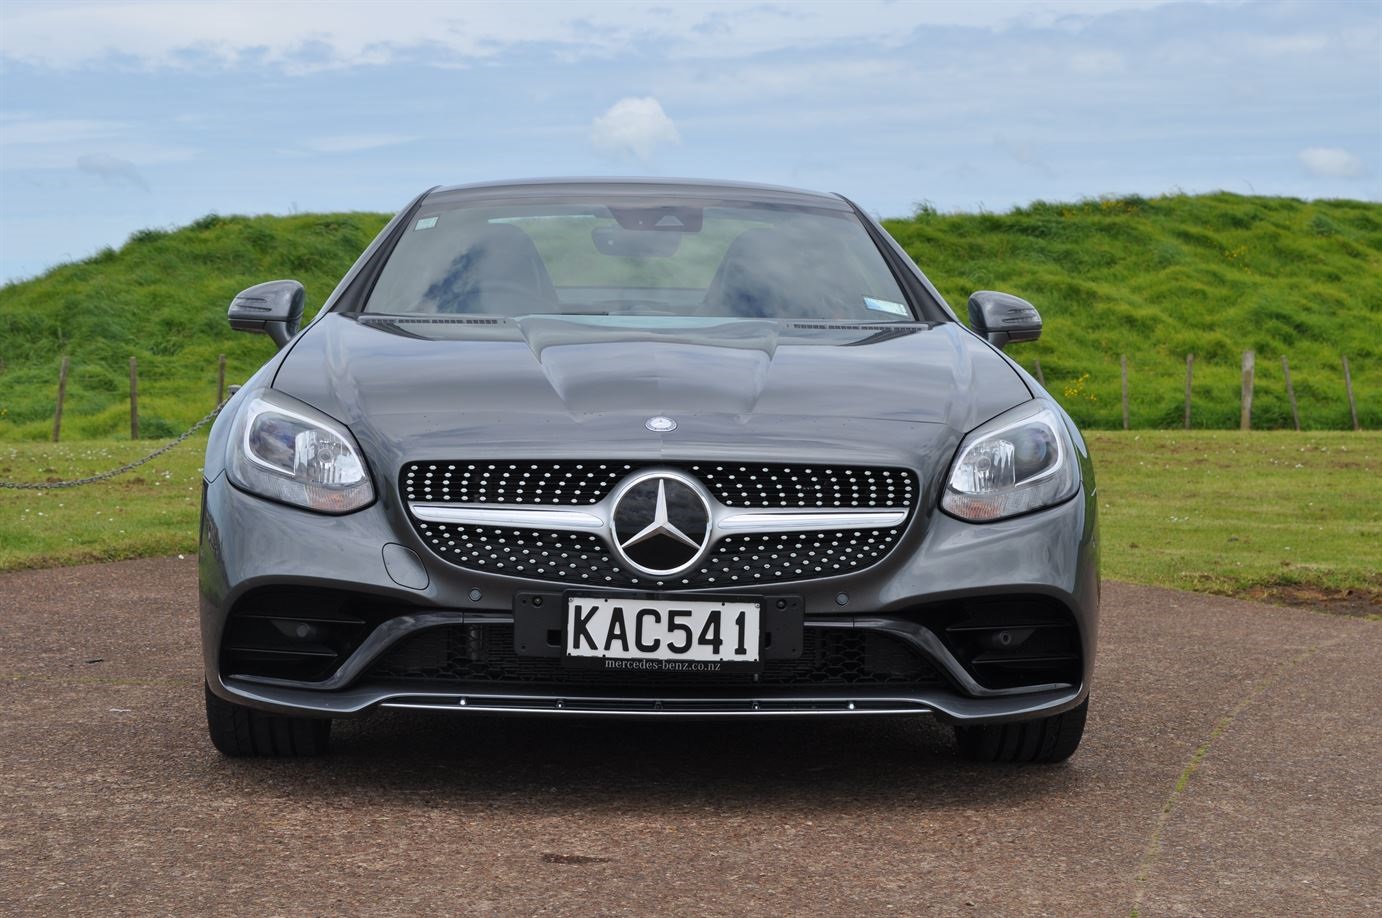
[[585, 558]]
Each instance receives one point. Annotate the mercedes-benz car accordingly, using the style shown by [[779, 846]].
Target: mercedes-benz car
[[647, 449]]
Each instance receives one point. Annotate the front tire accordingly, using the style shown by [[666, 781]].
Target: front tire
[[240, 731], [1046, 740]]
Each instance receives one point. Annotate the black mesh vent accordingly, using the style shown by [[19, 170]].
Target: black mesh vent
[[1011, 641], [426, 320], [574, 557], [512, 482], [484, 655], [297, 633], [590, 480], [822, 487], [792, 556]]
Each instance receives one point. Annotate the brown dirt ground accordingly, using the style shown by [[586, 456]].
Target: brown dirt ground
[[1230, 767]]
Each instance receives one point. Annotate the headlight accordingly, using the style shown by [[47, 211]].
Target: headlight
[[1018, 462], [288, 451]]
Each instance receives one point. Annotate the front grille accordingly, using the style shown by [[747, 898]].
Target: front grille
[[456, 655], [589, 481], [584, 557]]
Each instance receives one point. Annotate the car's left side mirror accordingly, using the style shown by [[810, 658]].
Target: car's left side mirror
[[274, 308], [1003, 318]]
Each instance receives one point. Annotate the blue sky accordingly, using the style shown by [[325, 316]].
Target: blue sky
[[116, 116]]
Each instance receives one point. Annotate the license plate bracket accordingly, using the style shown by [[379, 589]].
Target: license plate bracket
[[668, 635]]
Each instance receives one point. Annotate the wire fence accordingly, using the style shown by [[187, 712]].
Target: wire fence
[[1250, 394], [119, 470], [1248, 383]]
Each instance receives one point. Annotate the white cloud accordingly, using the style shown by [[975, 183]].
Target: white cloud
[[111, 169], [1330, 162], [20, 129], [354, 143], [1294, 44], [303, 36], [819, 76], [1095, 63], [55, 143], [1025, 154], [633, 126]]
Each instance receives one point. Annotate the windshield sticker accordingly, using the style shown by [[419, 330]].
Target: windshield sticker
[[425, 223], [897, 309]]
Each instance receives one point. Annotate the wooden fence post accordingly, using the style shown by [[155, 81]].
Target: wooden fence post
[[221, 379], [1040, 378], [1249, 368], [1123, 360], [1290, 391], [134, 399], [1189, 375], [1348, 385], [62, 396]]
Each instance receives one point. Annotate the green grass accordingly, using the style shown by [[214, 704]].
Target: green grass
[[1279, 515], [148, 512], [1151, 278], [1156, 279]]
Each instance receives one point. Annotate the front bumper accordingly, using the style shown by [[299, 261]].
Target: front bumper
[[249, 544]]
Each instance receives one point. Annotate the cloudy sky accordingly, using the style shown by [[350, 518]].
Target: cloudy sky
[[121, 115]]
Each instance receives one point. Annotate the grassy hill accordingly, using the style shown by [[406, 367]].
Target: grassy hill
[[1153, 279], [162, 298]]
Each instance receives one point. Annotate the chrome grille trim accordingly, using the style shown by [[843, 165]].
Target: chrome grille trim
[[723, 520], [520, 517], [808, 521]]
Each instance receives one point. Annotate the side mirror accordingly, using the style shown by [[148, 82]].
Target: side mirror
[[274, 308], [1003, 318]]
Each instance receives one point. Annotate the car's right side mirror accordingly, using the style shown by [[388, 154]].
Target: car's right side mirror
[[1003, 318], [274, 308]]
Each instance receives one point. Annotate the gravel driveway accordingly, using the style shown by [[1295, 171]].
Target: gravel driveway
[[1231, 766]]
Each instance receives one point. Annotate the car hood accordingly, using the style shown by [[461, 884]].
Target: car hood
[[410, 388]]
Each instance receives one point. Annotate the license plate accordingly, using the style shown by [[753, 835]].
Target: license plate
[[692, 631]]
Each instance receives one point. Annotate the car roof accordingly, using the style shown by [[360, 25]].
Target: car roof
[[638, 187]]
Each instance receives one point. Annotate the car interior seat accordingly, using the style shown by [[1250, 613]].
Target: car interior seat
[[767, 273], [499, 272]]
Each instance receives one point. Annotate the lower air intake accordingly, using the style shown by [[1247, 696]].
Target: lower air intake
[[297, 633], [1012, 641], [484, 655]]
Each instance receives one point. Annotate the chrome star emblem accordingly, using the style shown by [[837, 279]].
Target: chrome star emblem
[[660, 424], [660, 524]]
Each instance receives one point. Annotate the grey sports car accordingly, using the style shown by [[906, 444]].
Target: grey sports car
[[645, 448]]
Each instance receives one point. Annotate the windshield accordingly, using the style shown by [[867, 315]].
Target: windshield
[[585, 255]]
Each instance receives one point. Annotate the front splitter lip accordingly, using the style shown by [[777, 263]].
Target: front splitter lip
[[940, 702]]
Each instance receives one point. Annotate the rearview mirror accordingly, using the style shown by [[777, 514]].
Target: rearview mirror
[[1003, 318], [274, 308]]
